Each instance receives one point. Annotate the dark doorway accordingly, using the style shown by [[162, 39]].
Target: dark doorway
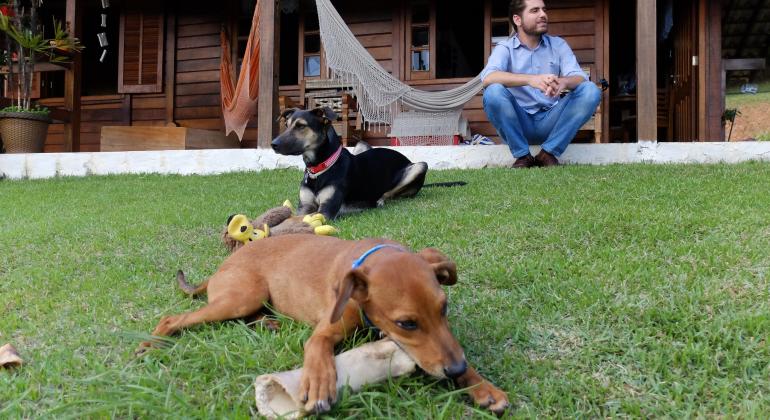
[[289, 48], [622, 57], [459, 39], [100, 58], [677, 70]]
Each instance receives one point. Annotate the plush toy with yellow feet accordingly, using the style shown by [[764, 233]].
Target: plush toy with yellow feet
[[276, 221]]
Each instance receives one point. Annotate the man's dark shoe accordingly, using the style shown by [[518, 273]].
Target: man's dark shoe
[[526, 161], [546, 159]]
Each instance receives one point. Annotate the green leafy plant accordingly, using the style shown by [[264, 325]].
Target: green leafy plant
[[729, 115], [26, 45], [62, 46], [37, 109]]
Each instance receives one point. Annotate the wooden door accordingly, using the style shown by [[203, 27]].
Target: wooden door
[[683, 76]]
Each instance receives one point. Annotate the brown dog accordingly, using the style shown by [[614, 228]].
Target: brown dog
[[333, 284]]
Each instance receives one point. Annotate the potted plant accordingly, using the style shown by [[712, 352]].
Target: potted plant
[[24, 125]]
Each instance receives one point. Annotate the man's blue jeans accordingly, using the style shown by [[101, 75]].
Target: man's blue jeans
[[554, 128]]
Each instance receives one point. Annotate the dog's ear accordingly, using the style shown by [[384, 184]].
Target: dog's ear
[[354, 285], [326, 114], [445, 269], [287, 113]]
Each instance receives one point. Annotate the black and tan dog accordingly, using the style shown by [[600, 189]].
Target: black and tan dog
[[335, 177]]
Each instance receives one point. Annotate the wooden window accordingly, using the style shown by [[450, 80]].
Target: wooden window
[[421, 40], [141, 48], [497, 25], [312, 63]]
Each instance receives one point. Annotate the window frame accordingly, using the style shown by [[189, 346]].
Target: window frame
[[489, 21], [301, 51], [409, 49]]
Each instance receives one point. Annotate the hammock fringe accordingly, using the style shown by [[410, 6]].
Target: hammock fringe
[[381, 97]]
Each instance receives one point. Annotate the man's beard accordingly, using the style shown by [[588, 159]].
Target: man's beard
[[532, 30]]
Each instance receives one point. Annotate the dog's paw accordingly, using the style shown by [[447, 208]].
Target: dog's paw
[[273, 325], [489, 396], [318, 385]]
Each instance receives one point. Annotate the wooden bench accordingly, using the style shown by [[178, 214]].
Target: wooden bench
[[595, 123], [139, 138]]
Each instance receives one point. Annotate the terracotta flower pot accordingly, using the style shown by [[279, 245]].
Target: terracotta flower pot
[[23, 132]]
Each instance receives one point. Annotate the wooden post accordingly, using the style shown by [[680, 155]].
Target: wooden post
[[646, 71], [170, 69], [711, 100], [126, 109], [398, 40], [269, 59], [72, 79], [602, 65]]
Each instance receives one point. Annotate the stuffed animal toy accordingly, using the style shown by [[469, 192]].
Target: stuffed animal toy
[[276, 221]]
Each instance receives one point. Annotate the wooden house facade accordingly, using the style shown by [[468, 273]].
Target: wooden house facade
[[661, 58]]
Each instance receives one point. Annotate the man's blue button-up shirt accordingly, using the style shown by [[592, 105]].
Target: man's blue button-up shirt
[[552, 56]]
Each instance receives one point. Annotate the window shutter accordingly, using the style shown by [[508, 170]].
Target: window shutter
[[141, 49]]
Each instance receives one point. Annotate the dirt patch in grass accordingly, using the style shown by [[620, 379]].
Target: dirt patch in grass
[[752, 124]]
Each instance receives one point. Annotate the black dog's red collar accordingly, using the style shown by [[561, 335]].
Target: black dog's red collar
[[315, 170]]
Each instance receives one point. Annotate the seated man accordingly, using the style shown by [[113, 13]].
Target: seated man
[[524, 79]]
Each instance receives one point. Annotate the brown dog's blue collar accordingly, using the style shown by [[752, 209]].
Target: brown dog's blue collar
[[360, 260], [368, 322], [357, 263]]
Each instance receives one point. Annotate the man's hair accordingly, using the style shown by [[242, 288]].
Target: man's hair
[[516, 7]]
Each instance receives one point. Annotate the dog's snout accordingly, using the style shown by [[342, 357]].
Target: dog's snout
[[456, 369], [275, 144]]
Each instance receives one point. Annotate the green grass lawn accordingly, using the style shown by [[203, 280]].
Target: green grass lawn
[[734, 97], [737, 100], [625, 290]]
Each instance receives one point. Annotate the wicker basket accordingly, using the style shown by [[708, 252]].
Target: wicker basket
[[23, 132]]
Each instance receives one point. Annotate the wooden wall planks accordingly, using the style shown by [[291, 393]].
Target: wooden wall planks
[[196, 98]]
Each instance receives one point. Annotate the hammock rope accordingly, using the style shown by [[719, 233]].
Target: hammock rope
[[381, 96]]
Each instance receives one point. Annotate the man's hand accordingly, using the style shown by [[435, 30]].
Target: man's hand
[[543, 82], [558, 87], [550, 84]]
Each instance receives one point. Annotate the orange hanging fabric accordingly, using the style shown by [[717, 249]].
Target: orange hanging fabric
[[239, 100]]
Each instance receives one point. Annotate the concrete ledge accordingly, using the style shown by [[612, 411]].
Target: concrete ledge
[[209, 162]]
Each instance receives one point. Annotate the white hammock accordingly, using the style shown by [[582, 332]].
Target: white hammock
[[380, 95]]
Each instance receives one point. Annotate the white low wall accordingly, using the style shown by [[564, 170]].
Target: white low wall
[[207, 162]]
